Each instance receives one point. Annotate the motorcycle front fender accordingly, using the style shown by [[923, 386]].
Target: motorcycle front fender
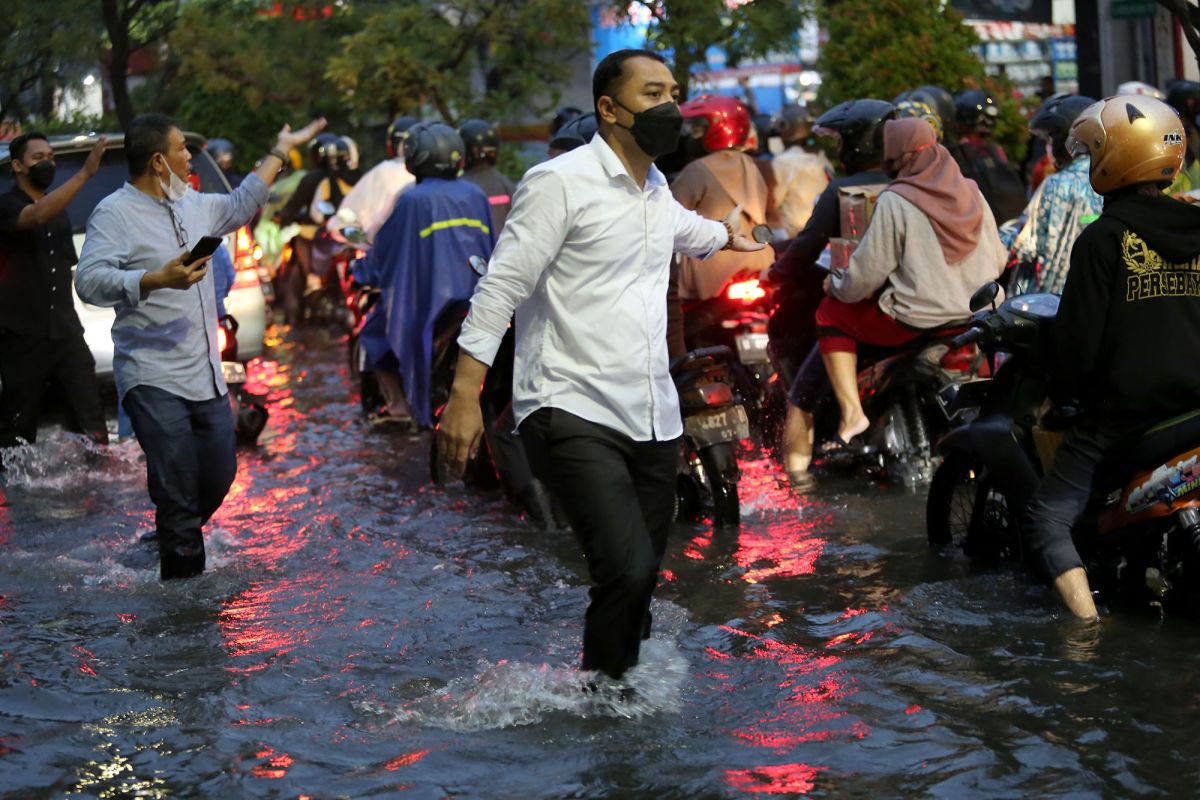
[[990, 442]]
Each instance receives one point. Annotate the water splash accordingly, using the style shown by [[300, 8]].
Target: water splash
[[513, 693]]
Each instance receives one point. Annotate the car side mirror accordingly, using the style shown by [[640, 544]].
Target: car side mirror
[[478, 265], [985, 296]]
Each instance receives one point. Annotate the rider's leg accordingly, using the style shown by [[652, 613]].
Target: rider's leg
[[842, 366]]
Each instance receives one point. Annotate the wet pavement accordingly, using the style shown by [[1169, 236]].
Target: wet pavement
[[362, 633]]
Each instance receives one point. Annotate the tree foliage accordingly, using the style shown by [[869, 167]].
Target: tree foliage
[[132, 25], [686, 29], [880, 48], [45, 46], [465, 58]]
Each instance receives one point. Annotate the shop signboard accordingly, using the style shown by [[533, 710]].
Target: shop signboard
[[1024, 10]]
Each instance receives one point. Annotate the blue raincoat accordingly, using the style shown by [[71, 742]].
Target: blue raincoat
[[419, 262]]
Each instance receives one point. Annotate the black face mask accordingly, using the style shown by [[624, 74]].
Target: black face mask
[[41, 174], [655, 130]]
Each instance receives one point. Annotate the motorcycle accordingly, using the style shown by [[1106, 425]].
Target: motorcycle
[[737, 318], [500, 460], [249, 409], [1140, 539], [714, 421], [899, 388], [331, 253]]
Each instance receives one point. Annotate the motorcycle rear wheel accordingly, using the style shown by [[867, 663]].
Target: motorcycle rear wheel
[[965, 509], [721, 470]]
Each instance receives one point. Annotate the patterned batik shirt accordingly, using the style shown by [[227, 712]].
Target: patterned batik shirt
[[1061, 207]]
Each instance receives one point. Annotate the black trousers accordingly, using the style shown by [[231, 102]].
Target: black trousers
[[28, 364], [1093, 456], [619, 496], [191, 460]]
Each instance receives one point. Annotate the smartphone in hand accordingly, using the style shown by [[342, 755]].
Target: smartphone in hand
[[203, 249]]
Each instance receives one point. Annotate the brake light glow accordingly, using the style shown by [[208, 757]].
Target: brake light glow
[[746, 291], [246, 255]]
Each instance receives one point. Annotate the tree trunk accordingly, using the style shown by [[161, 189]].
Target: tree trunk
[[118, 62]]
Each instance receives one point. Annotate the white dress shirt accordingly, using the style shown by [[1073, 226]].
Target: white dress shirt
[[584, 260]]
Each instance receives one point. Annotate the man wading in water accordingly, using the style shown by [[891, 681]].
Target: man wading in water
[[583, 260]]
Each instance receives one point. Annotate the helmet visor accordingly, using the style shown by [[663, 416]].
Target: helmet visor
[[1074, 146], [828, 133]]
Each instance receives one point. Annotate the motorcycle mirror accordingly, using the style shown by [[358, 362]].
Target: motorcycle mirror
[[325, 208], [985, 296], [354, 235], [762, 234], [478, 265]]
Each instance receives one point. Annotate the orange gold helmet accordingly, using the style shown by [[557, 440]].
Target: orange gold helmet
[[1131, 139]]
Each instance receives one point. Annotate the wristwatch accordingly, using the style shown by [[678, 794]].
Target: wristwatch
[[282, 156]]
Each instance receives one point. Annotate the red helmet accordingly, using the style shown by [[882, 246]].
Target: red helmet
[[723, 122]]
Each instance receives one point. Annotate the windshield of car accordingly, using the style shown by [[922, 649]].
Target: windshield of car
[[113, 172]]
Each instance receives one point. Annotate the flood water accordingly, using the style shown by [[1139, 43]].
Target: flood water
[[361, 633]]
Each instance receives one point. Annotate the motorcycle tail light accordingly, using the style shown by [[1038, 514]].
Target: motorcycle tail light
[[746, 291], [222, 340], [709, 394]]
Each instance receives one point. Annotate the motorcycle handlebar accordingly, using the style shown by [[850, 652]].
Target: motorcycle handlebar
[[966, 338]]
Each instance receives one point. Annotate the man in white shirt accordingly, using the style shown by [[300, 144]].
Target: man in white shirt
[[583, 260]]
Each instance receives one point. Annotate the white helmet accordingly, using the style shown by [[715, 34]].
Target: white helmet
[[1137, 87]]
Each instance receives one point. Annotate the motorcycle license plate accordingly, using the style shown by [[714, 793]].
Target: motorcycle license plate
[[233, 371], [712, 427], [752, 348]]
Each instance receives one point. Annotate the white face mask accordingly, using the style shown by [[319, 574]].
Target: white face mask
[[177, 188]]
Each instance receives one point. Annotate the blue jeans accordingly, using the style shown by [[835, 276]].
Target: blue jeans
[[191, 460]]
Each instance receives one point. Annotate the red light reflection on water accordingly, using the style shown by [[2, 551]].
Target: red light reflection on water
[[275, 766], [270, 620], [405, 760], [809, 713], [774, 779]]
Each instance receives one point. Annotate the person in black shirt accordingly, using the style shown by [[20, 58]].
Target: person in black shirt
[[858, 124], [40, 335], [483, 148], [1127, 333]]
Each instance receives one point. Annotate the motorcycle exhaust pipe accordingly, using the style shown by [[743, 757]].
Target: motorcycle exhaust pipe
[[1189, 521]]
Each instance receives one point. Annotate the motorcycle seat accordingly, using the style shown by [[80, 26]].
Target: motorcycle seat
[[1167, 439], [700, 358]]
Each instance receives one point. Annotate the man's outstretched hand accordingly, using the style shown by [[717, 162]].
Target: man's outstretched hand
[[288, 138], [742, 244]]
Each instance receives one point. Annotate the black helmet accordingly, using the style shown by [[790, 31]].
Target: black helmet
[[562, 117], [858, 126], [1053, 122], [326, 150], [481, 140], [1184, 97], [976, 109], [578, 131], [793, 123], [397, 132], [433, 150], [221, 150]]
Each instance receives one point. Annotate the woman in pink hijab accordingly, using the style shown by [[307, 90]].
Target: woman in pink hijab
[[931, 243]]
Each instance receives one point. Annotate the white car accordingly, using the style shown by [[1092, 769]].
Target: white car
[[245, 302]]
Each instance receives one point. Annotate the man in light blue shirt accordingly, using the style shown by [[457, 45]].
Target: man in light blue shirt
[[166, 360]]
